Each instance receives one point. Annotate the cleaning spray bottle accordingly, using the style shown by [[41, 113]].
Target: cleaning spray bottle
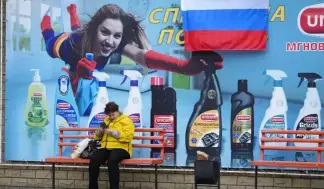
[[134, 106], [309, 117], [242, 118], [85, 92], [98, 115], [36, 109], [276, 115], [204, 129], [66, 110]]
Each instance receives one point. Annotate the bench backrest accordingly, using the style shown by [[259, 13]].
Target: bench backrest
[[319, 149], [158, 135]]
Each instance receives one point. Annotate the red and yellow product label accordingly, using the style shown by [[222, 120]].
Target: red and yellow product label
[[204, 131], [241, 128], [166, 122]]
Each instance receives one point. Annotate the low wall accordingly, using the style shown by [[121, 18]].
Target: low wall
[[37, 176]]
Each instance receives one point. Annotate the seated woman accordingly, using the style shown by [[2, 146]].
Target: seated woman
[[116, 134]]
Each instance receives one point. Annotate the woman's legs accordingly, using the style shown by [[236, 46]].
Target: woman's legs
[[74, 19], [48, 32], [115, 156], [97, 159], [46, 27]]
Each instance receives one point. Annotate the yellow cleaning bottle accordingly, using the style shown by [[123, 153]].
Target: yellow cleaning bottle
[[36, 110]]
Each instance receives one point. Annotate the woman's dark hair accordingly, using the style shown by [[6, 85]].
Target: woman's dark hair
[[111, 107], [132, 32]]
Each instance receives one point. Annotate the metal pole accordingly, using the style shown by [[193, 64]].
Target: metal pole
[[156, 177], [53, 176], [256, 178]]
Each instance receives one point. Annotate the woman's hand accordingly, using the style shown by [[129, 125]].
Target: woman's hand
[[199, 61], [100, 132], [112, 133], [84, 67], [108, 131], [103, 125], [206, 59]]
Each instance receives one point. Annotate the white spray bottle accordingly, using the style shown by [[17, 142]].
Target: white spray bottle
[[97, 115], [276, 115], [309, 117], [134, 106]]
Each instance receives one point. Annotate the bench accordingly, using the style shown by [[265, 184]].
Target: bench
[[292, 164], [133, 161]]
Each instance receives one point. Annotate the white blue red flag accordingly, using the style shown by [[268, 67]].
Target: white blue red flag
[[225, 24]]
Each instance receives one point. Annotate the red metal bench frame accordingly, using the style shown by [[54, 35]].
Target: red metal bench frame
[[292, 164], [132, 161]]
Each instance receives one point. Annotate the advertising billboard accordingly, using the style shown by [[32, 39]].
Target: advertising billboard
[[44, 38]]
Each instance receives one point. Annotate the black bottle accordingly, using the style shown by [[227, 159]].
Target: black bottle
[[204, 129], [242, 118], [164, 112]]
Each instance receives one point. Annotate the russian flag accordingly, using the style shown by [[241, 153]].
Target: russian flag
[[225, 24]]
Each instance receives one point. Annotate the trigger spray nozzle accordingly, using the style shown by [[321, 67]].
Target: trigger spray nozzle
[[310, 77], [267, 80], [300, 82], [125, 78], [276, 75], [133, 75]]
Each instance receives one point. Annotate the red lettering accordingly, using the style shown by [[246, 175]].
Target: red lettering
[[277, 120], [209, 117], [37, 94], [314, 46], [321, 46], [243, 117], [310, 119], [134, 118], [306, 47], [63, 105], [294, 46], [165, 120], [101, 116]]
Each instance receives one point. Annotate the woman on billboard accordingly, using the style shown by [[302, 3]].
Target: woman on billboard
[[111, 30]]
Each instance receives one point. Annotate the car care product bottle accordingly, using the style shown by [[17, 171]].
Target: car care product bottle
[[134, 107], [242, 118], [204, 129], [309, 117], [66, 110], [164, 115], [36, 109], [276, 114]]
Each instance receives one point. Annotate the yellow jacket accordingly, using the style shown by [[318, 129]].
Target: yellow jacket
[[125, 127]]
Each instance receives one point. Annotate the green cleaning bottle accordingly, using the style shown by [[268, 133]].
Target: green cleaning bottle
[[36, 109]]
